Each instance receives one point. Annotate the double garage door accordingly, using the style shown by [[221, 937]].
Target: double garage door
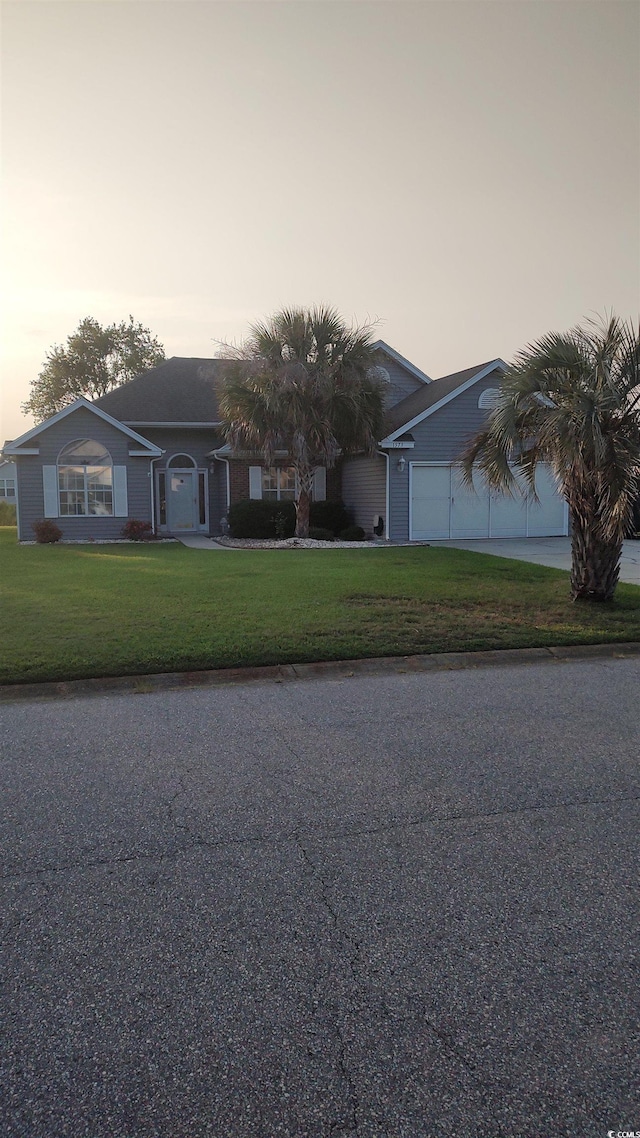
[[442, 507]]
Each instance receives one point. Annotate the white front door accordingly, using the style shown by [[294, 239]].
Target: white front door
[[182, 500]]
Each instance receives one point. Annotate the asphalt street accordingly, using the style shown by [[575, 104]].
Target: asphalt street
[[396, 906]]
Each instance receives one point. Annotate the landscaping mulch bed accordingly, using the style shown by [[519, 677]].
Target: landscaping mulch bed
[[296, 543]]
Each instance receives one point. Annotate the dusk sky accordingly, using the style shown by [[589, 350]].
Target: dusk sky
[[468, 173]]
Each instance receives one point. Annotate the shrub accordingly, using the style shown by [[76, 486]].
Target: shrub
[[135, 530], [7, 513], [352, 533], [258, 518], [281, 525], [320, 534], [330, 515], [46, 531]]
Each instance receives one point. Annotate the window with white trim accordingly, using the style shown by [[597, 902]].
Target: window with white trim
[[7, 488], [278, 483], [85, 480]]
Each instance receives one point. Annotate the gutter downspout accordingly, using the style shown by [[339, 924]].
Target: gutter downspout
[[220, 458], [385, 454]]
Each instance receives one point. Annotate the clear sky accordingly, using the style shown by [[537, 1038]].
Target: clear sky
[[467, 172]]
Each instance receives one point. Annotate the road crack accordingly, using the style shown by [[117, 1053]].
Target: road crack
[[352, 955]]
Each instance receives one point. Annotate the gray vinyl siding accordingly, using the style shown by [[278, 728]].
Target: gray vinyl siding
[[182, 440], [81, 424], [364, 488], [441, 437], [197, 443], [399, 496], [401, 381]]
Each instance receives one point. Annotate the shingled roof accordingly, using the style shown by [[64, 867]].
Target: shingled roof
[[185, 390], [407, 409], [180, 390]]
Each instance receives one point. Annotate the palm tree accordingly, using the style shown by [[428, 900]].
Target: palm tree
[[573, 400], [304, 383]]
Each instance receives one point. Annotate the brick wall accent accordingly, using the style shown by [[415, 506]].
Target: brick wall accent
[[239, 479]]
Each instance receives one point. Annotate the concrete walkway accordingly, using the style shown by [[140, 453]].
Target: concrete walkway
[[552, 551], [200, 541]]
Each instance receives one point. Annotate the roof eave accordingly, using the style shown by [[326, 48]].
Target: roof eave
[[16, 446], [196, 425], [382, 346], [480, 374]]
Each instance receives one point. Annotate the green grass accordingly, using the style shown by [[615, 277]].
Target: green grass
[[76, 611]]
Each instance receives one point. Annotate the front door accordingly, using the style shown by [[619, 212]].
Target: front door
[[182, 500]]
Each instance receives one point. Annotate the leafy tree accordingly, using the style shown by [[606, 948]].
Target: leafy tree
[[304, 383], [94, 361], [573, 400]]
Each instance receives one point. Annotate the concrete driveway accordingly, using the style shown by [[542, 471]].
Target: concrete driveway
[[553, 551], [390, 907]]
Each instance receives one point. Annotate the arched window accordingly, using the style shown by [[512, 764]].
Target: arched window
[[181, 461], [379, 373], [489, 398], [85, 479]]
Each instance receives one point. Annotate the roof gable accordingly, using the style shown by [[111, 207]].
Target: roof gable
[[427, 401], [16, 447], [381, 346]]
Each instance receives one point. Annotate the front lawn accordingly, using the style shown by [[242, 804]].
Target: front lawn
[[81, 610]]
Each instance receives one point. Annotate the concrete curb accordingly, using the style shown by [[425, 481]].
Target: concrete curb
[[324, 669]]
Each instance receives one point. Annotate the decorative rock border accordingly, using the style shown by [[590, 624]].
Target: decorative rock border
[[294, 543]]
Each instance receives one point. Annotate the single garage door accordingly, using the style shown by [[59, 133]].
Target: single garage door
[[442, 507]]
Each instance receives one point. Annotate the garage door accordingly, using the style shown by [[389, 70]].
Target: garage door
[[442, 507]]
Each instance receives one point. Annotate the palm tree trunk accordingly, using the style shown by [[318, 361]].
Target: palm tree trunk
[[303, 501], [595, 563]]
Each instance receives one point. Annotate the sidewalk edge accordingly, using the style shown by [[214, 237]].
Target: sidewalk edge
[[144, 684]]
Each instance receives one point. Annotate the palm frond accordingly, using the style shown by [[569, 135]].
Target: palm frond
[[304, 383], [571, 400]]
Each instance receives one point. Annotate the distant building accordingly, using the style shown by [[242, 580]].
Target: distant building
[[8, 481]]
